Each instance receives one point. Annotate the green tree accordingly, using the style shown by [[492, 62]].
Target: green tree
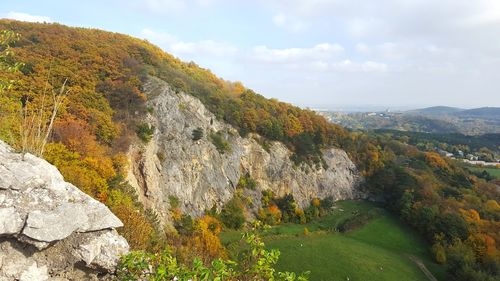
[[232, 215]]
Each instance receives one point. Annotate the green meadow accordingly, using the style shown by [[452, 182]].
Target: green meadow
[[379, 249]]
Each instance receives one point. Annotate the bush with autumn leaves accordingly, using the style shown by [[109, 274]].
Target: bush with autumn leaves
[[456, 211]]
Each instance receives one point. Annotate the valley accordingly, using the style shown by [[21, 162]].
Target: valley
[[378, 249]]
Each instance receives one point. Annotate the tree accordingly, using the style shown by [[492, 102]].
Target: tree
[[205, 238], [287, 206], [232, 214]]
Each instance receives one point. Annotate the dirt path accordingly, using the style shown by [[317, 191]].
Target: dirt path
[[422, 267]]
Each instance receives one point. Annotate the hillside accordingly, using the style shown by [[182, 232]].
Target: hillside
[[178, 154]]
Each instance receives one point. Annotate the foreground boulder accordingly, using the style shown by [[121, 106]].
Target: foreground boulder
[[49, 229]]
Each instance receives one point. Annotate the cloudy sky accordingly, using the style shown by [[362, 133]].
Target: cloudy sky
[[316, 53]]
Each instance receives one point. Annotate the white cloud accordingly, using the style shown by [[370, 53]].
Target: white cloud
[[423, 51], [186, 50], [292, 55], [205, 46], [344, 66], [368, 66], [320, 58], [27, 17]]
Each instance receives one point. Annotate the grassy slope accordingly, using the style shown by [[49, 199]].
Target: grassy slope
[[378, 250]]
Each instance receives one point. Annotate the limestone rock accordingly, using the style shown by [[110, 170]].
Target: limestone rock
[[47, 225], [102, 251], [172, 164]]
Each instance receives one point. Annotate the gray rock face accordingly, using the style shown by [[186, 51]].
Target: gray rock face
[[172, 164], [48, 225]]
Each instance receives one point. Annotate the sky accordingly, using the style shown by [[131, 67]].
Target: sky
[[324, 54]]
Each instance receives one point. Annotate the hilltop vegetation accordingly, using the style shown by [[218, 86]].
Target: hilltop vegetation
[[103, 111]]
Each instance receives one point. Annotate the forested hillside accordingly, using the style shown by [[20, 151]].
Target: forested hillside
[[96, 80]]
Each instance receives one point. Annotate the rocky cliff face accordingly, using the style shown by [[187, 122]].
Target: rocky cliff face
[[195, 172], [49, 229]]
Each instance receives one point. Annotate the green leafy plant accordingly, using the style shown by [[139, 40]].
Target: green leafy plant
[[257, 264], [246, 181], [145, 132]]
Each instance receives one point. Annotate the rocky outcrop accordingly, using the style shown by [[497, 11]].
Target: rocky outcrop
[[195, 172], [49, 229]]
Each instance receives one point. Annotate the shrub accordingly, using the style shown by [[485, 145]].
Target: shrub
[[174, 201], [306, 231], [220, 143], [439, 253], [197, 134], [179, 85], [185, 225], [247, 182], [270, 215], [145, 132], [257, 264]]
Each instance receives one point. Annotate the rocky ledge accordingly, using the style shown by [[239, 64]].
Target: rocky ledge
[[49, 229]]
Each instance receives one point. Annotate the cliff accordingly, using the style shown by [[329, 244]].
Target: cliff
[[49, 229], [200, 176]]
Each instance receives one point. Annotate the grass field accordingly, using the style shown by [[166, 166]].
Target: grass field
[[378, 250], [495, 172]]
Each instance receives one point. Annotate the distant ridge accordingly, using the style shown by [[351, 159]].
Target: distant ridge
[[481, 112], [435, 110], [435, 119], [490, 113]]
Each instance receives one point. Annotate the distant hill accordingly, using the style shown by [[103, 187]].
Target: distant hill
[[488, 113], [436, 119], [435, 110]]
